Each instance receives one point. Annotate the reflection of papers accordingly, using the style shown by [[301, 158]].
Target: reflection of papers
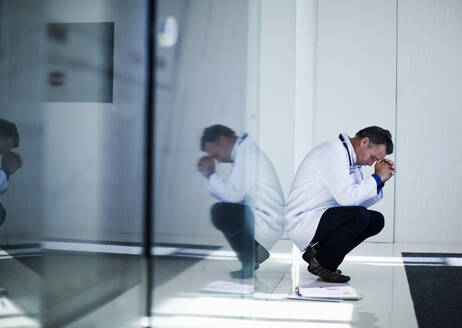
[[228, 287], [12, 315], [327, 293]]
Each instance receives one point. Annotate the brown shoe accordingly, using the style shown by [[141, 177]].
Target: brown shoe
[[309, 256], [318, 270]]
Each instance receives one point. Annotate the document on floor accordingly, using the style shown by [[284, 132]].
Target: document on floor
[[325, 293], [228, 287]]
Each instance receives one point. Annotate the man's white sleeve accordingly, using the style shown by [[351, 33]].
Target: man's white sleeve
[[241, 178], [334, 172], [212, 191], [373, 200], [3, 182]]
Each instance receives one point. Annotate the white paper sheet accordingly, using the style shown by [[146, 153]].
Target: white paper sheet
[[328, 292]]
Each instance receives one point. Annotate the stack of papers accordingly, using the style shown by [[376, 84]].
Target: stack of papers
[[325, 293]]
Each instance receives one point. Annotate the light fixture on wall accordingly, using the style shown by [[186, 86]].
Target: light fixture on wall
[[167, 35]]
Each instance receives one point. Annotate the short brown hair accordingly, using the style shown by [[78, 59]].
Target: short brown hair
[[212, 133], [8, 130], [377, 136]]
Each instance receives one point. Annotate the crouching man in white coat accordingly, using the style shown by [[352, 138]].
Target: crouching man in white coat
[[327, 213], [250, 211]]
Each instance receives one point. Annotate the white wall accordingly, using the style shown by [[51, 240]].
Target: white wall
[[428, 188], [355, 76], [277, 86], [326, 67], [305, 76], [246, 64], [88, 197], [202, 81], [400, 68]]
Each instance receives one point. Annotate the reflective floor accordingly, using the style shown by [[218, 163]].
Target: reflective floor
[[184, 297]]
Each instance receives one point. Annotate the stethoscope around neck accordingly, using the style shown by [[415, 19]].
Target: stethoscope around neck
[[352, 166]]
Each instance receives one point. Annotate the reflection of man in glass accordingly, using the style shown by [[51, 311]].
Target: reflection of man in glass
[[11, 161], [250, 211]]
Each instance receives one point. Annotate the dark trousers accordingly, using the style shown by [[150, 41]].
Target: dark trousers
[[237, 223], [341, 229]]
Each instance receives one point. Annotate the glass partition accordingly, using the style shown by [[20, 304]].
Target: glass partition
[[218, 200], [74, 143], [73, 83]]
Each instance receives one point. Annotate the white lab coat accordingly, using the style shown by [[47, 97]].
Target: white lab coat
[[323, 180], [253, 181], [3, 182]]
